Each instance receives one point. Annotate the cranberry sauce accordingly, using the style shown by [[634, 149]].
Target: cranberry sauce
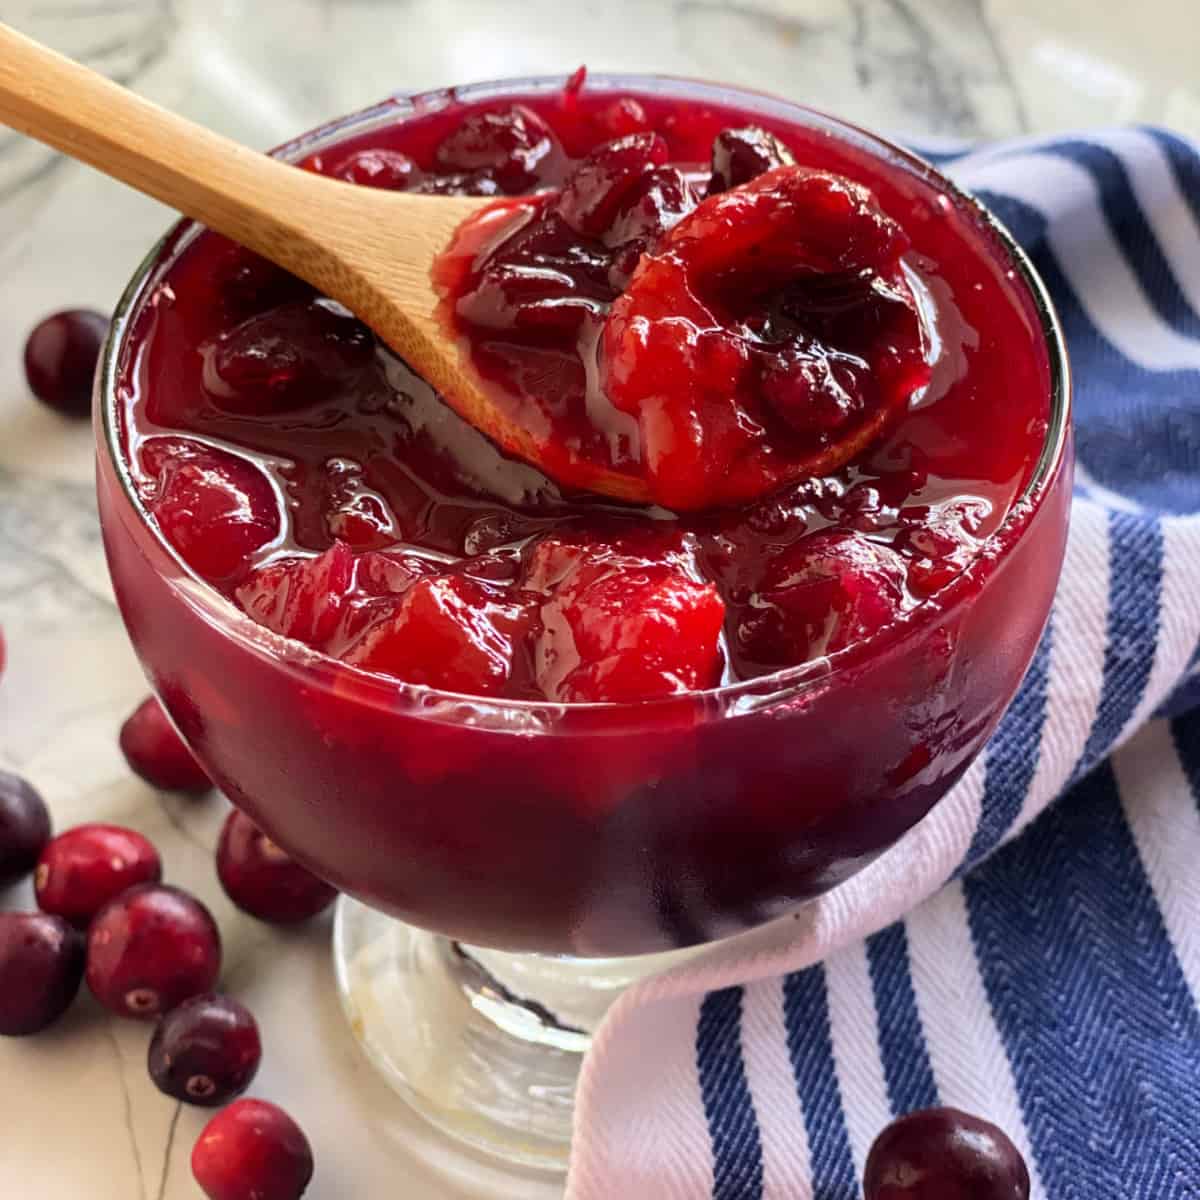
[[297, 465]]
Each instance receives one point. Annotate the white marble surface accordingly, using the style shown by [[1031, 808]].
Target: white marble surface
[[78, 1116]]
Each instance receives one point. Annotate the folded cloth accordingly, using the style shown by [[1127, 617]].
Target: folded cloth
[[1031, 951]]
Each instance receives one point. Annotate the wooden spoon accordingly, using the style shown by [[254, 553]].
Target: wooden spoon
[[370, 250]]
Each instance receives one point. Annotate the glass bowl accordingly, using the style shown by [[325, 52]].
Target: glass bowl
[[584, 830]]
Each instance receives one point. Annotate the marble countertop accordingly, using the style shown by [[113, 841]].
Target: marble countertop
[[78, 1114]]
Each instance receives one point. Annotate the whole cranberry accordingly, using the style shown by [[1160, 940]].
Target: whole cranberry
[[81, 870], [206, 1051], [158, 754], [262, 880], [41, 964], [944, 1154], [252, 1150], [60, 359], [24, 828], [151, 948]]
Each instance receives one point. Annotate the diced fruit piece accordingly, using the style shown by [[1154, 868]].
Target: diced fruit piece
[[41, 964], [24, 827], [262, 880], [215, 508], [944, 1154], [206, 1051], [739, 155], [84, 868], [60, 359], [819, 595], [446, 632], [285, 358], [594, 191], [618, 628], [152, 948], [387, 169], [301, 598], [156, 752], [511, 144], [252, 1150]]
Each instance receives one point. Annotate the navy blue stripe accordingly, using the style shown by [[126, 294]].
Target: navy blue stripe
[[1012, 757], [810, 1046], [1090, 1002], [1185, 164], [1137, 431], [732, 1123], [906, 1065], [1184, 698], [1134, 605], [1132, 232], [1185, 732]]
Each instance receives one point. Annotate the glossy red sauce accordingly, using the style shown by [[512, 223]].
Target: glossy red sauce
[[302, 469]]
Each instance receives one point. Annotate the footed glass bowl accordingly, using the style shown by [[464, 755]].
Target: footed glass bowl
[[543, 844]]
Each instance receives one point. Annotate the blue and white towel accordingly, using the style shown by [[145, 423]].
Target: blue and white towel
[[1031, 951]]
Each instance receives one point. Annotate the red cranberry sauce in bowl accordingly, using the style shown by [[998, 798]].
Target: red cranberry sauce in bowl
[[521, 713]]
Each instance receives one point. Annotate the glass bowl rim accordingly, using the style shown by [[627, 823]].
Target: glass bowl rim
[[764, 690]]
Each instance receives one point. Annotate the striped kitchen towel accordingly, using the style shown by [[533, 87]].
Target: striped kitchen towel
[[1031, 951]]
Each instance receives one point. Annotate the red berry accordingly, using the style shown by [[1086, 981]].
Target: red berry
[[944, 1154], [158, 754], [60, 359], [150, 949], [285, 358], [41, 964], [594, 191], [252, 1150], [206, 1051], [262, 880], [217, 509], [387, 169], [510, 145], [739, 155], [81, 870], [24, 828]]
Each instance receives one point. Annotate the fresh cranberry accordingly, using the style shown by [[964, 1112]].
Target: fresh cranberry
[[206, 1051], [24, 827], [60, 359], [448, 632], [150, 949], [155, 751], [262, 880], [617, 627], [252, 1150], [388, 169], [81, 870], [215, 508], [285, 358], [944, 1154], [819, 595], [41, 964], [739, 155], [301, 598], [593, 192], [511, 144]]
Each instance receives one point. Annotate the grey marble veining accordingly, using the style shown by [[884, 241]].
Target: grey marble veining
[[78, 1115]]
